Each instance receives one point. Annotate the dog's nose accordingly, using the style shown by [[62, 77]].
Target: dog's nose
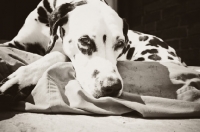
[[112, 88]]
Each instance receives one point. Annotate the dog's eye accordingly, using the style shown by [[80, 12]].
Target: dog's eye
[[120, 44], [85, 41]]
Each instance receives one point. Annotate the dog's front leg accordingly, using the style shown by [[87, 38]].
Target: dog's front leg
[[22, 81]]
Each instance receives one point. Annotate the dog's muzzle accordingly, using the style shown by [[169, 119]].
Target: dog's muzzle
[[108, 86], [101, 78]]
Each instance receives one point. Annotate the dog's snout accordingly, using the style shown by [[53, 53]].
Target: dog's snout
[[102, 78], [111, 87]]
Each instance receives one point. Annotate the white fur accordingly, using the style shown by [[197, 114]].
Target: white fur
[[94, 19]]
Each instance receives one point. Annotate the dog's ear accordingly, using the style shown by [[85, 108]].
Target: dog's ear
[[58, 18], [125, 30]]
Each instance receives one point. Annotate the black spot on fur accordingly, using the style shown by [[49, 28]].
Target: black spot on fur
[[104, 38], [62, 10], [89, 47], [156, 42], [170, 58], [61, 23], [124, 51], [47, 6], [35, 19], [47, 25], [125, 30], [151, 51], [43, 20], [143, 38], [120, 45], [172, 53], [155, 57], [130, 53], [62, 32], [42, 12], [140, 59], [43, 17], [59, 17], [130, 42], [70, 41], [95, 73], [85, 51]]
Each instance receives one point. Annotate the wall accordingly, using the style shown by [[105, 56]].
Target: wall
[[13, 14], [175, 21]]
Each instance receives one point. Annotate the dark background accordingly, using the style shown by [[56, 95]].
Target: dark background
[[12, 16], [175, 21]]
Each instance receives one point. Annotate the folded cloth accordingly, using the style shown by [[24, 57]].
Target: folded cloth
[[11, 59], [150, 89]]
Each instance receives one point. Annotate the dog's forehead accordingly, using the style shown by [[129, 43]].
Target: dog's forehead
[[95, 17]]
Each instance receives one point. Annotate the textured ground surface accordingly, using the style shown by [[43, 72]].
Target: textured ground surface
[[29, 122]]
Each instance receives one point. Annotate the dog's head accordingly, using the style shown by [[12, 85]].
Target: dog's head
[[93, 37]]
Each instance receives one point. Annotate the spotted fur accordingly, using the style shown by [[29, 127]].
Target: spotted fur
[[149, 48], [94, 37]]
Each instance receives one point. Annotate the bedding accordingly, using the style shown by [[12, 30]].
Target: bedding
[[150, 89]]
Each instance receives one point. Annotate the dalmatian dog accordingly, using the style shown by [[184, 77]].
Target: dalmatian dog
[[93, 36]]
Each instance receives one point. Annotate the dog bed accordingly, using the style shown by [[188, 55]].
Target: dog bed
[[150, 89]]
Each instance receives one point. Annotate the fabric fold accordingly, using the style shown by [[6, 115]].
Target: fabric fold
[[150, 88], [59, 92]]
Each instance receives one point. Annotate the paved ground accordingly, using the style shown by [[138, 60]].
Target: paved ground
[[30, 122]]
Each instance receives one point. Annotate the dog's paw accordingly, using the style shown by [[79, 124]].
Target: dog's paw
[[188, 93], [18, 85]]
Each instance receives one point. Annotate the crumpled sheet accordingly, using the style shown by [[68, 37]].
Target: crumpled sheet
[[150, 89]]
